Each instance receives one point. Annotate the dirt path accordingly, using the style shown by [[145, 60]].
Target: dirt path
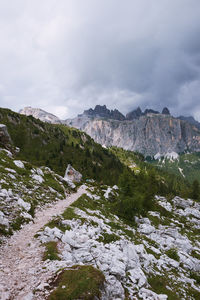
[[21, 258]]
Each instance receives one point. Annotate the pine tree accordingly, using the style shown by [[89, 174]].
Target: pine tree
[[195, 190]]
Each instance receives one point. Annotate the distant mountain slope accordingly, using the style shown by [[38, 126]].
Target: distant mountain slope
[[185, 165], [149, 134], [190, 120], [40, 114]]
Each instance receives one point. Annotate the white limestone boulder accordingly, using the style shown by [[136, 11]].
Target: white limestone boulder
[[23, 204], [71, 175], [18, 163]]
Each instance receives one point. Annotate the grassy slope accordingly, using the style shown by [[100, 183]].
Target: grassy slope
[[174, 182], [79, 282], [57, 145], [188, 163]]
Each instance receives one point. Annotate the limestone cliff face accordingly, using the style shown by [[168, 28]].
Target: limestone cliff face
[[149, 134]]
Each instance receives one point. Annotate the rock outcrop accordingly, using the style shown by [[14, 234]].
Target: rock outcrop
[[165, 111], [103, 112], [135, 114], [71, 176], [5, 139], [40, 114]]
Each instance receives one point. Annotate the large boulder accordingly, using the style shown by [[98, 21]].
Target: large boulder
[[165, 111], [71, 175], [5, 139]]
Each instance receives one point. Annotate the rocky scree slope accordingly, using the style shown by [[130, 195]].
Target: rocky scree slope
[[22, 268], [24, 189], [156, 258]]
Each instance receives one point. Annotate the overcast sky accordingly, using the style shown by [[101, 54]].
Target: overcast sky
[[68, 55]]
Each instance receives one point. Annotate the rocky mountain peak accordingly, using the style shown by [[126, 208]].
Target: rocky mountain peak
[[103, 112], [39, 114], [134, 114], [150, 111], [165, 111], [137, 113]]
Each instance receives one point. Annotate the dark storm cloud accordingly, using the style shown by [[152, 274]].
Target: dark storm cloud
[[66, 56]]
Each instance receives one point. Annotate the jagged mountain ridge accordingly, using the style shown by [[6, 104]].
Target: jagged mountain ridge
[[99, 111], [148, 132]]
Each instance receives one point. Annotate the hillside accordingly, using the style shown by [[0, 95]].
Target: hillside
[[23, 189], [174, 182], [56, 146], [128, 234], [156, 258], [185, 165]]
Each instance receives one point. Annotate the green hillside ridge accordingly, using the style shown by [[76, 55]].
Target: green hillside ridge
[[170, 183], [187, 165], [56, 146]]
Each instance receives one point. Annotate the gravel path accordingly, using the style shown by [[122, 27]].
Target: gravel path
[[21, 257]]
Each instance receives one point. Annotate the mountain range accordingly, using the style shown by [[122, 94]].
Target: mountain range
[[150, 132]]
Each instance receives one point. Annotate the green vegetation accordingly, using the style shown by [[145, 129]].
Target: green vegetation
[[159, 285], [195, 276], [55, 146], [53, 183], [108, 238], [69, 214], [4, 231], [136, 193], [79, 282], [187, 165], [16, 225], [166, 182], [195, 254], [195, 192], [172, 253], [57, 222], [51, 251]]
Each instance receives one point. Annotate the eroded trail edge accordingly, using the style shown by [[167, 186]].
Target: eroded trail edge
[[21, 267]]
